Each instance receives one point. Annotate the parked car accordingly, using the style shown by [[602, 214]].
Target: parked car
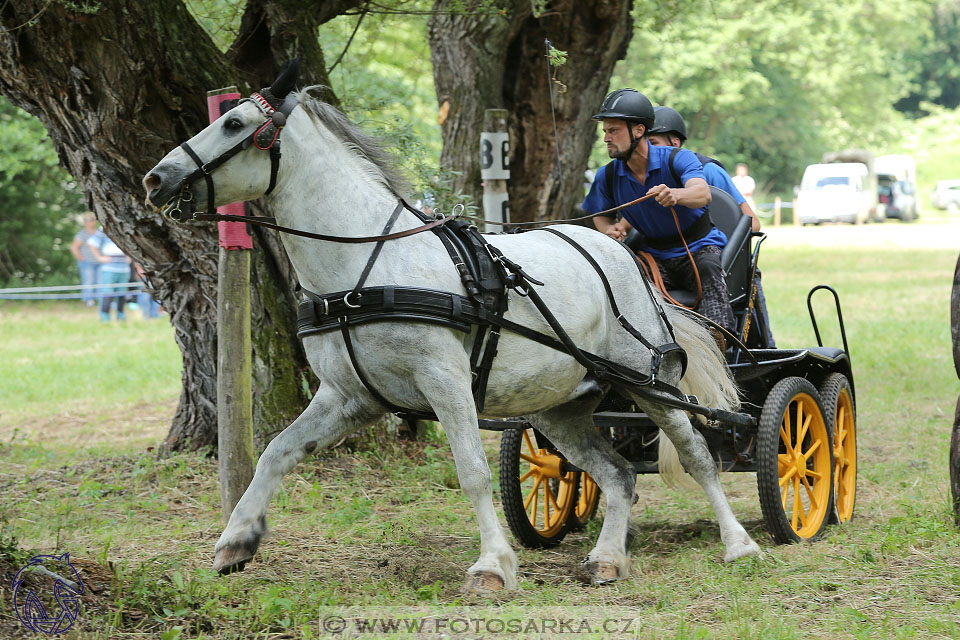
[[947, 195], [836, 192], [897, 197], [897, 186]]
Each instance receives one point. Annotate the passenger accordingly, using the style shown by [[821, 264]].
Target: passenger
[[639, 168], [669, 130]]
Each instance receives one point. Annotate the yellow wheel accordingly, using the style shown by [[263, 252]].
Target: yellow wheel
[[587, 502], [837, 396], [794, 462], [538, 497]]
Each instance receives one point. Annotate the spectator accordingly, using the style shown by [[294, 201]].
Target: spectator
[[86, 261], [114, 270], [745, 184]]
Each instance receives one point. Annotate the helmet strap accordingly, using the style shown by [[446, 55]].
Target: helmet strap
[[634, 141]]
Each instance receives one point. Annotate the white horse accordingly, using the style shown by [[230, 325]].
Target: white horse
[[333, 179]]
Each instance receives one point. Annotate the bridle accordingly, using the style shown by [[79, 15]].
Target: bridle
[[266, 138]]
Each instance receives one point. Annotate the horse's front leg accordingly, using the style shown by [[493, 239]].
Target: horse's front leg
[[328, 417], [497, 566]]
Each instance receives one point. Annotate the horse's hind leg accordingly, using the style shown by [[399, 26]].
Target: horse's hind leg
[[570, 427], [697, 461], [328, 417]]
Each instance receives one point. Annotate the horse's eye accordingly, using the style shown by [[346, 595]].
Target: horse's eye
[[233, 124]]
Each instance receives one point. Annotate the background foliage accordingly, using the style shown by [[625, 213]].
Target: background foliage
[[770, 83], [40, 203]]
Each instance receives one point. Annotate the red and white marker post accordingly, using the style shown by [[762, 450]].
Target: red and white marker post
[[234, 371]]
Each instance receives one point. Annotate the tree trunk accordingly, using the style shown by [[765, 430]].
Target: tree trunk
[[117, 86], [500, 62]]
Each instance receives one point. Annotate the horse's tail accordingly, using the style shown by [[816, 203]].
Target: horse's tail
[[707, 377]]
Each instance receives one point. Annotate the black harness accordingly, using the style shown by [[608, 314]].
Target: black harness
[[488, 277]]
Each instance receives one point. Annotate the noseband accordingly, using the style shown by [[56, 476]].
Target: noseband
[[266, 137]]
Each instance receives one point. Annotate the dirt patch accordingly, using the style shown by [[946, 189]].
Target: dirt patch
[[80, 426]]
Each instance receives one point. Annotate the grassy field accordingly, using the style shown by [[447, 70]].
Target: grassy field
[[387, 527]]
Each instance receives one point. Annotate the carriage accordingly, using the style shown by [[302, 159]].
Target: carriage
[[803, 447]]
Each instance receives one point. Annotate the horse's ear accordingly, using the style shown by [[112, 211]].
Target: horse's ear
[[287, 79]]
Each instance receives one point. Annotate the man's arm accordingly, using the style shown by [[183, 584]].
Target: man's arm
[[754, 220], [694, 194]]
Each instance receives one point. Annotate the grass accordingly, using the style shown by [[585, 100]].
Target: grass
[[387, 527]]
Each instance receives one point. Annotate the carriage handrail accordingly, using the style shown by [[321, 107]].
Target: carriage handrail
[[813, 319]]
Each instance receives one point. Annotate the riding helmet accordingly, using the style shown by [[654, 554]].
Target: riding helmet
[[627, 104], [668, 120]]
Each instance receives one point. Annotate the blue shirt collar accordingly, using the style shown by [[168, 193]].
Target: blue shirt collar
[[653, 161]]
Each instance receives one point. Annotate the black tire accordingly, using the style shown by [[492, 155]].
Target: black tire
[[840, 413], [523, 483], [800, 510]]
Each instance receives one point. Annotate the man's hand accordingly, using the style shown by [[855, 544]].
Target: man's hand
[[664, 195], [617, 231]]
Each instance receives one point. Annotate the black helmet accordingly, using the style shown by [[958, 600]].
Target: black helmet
[[627, 104], [668, 120]]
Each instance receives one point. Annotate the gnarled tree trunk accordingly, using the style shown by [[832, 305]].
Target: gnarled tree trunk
[[499, 61], [117, 86]]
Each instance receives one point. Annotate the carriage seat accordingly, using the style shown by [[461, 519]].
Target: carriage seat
[[735, 259]]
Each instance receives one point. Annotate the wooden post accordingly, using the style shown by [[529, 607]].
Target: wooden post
[[495, 168], [234, 371], [777, 206], [955, 436], [796, 214]]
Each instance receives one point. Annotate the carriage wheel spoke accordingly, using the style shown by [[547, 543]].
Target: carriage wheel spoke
[[797, 505], [528, 474], [813, 499], [783, 495], [813, 447], [804, 427], [530, 459], [529, 443], [533, 495]]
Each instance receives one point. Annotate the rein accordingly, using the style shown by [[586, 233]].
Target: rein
[[270, 223]]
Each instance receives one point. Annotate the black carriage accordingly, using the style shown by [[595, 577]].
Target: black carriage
[[802, 447]]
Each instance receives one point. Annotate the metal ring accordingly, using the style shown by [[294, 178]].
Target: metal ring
[[457, 210], [346, 301]]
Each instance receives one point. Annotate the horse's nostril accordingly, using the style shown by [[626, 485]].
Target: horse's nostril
[[151, 182]]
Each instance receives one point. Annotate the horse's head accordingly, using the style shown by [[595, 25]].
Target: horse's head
[[246, 138]]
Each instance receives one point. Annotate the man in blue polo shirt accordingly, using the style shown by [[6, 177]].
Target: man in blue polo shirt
[[641, 169]]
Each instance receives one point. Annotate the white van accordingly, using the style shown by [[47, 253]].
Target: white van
[[835, 192]]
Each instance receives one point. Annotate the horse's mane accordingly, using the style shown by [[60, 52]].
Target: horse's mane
[[370, 148]]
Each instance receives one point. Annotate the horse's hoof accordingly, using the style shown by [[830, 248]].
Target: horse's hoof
[[741, 549], [482, 582], [601, 572], [231, 559]]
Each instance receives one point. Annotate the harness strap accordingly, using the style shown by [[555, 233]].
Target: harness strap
[[345, 331], [327, 312], [263, 221], [377, 249], [658, 352]]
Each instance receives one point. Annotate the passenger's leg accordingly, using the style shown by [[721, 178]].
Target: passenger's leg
[[716, 297]]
